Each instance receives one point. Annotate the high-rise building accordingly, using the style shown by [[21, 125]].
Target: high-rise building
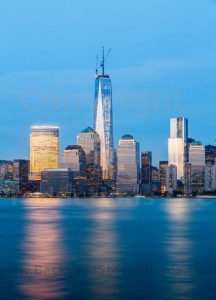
[[171, 178], [210, 155], [197, 161], [210, 177], [103, 122], [146, 172], [44, 150], [187, 179], [57, 182], [177, 144], [74, 158], [155, 173], [21, 171], [89, 140], [6, 170], [128, 165], [146, 167], [162, 170]]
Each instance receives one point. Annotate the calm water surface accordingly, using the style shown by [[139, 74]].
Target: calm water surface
[[108, 249]]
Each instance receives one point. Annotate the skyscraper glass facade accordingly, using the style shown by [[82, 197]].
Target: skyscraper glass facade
[[197, 161], [103, 123], [177, 144], [162, 169], [44, 150], [89, 140], [57, 182], [128, 163], [210, 155], [146, 167], [74, 158]]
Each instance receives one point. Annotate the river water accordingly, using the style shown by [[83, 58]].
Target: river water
[[108, 248]]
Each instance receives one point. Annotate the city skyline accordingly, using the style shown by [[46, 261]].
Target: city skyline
[[158, 71]]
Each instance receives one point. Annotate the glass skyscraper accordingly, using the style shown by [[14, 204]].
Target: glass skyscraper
[[74, 158], [89, 140], [103, 124], [162, 169], [128, 164], [44, 150], [177, 144], [197, 161]]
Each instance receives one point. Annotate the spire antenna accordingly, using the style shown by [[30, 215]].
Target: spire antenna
[[104, 60], [96, 70]]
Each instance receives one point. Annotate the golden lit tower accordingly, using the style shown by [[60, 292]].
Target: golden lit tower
[[44, 150]]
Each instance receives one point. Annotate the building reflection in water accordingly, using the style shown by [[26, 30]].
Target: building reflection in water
[[179, 249], [43, 252], [103, 251]]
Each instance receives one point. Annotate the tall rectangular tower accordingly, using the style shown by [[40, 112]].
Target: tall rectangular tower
[[128, 164], [103, 122], [177, 144], [44, 150], [146, 167]]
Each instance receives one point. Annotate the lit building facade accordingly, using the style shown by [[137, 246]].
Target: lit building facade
[[177, 144], [74, 158], [171, 178], [146, 172], [21, 171], [44, 150], [162, 171], [103, 124], [6, 170], [197, 161], [89, 140], [187, 179], [146, 167], [210, 155], [128, 165], [155, 173], [210, 178]]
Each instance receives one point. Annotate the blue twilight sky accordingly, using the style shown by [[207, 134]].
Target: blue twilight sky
[[162, 65]]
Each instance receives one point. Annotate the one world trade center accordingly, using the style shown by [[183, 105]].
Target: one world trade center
[[103, 122]]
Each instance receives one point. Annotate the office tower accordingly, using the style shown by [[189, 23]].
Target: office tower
[[89, 140], [197, 161], [210, 177], [57, 182], [171, 178], [44, 150], [74, 158], [21, 171], [103, 122], [162, 170], [187, 179], [210, 155], [128, 165], [6, 170], [146, 172], [146, 167], [155, 173], [177, 144]]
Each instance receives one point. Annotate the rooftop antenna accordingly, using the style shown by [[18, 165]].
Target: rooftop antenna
[[104, 60]]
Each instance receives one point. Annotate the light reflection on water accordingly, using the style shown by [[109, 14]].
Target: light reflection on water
[[102, 249], [173, 233], [43, 250], [179, 247]]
